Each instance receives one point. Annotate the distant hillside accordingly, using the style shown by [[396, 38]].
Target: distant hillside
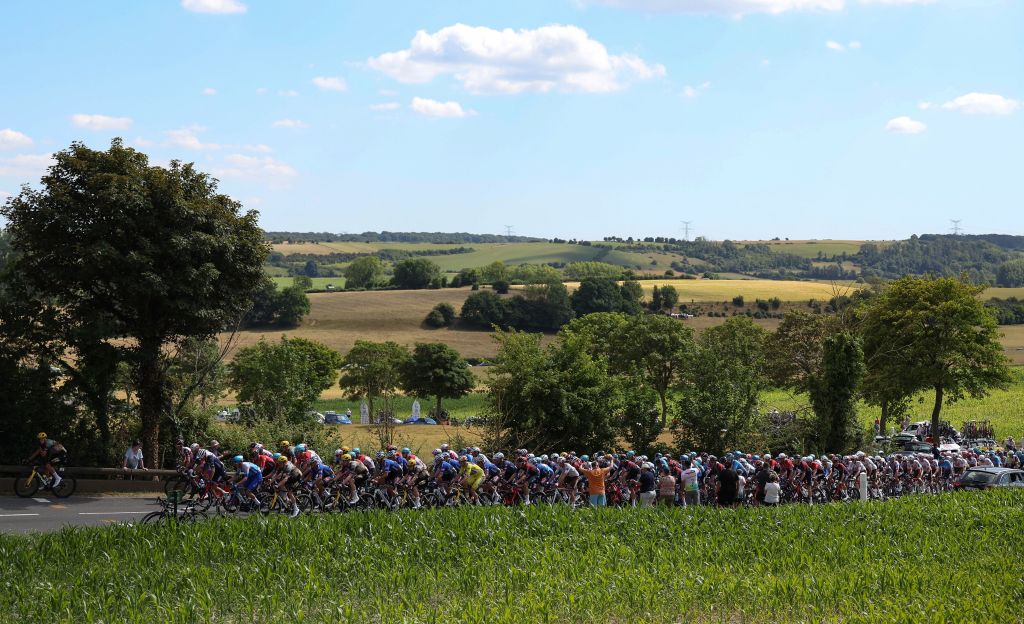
[[451, 238], [940, 254]]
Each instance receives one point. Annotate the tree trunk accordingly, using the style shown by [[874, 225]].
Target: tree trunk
[[437, 412], [883, 421], [664, 409], [151, 400], [936, 410]]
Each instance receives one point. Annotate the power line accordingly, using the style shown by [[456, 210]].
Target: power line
[[686, 230], [956, 226], [508, 230]]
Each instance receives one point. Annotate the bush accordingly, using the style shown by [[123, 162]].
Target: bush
[[501, 287], [443, 315], [738, 301]]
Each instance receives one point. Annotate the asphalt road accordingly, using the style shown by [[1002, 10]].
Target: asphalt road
[[46, 513]]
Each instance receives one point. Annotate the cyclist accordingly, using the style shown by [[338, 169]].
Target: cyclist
[[204, 461], [184, 455], [472, 475], [389, 475], [354, 474], [287, 476], [249, 476], [50, 453]]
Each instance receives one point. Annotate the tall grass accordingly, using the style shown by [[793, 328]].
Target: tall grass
[[952, 558]]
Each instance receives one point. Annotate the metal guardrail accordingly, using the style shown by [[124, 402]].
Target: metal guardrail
[[102, 473]]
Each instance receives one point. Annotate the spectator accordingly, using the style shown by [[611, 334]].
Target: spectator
[[772, 489], [728, 486], [688, 485], [133, 457], [666, 488], [648, 485], [596, 474]]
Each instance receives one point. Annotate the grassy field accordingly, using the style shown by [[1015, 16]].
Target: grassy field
[[319, 283], [942, 558], [810, 248], [1003, 293], [339, 319], [486, 253]]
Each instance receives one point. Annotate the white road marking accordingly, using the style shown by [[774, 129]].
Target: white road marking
[[106, 513], [41, 500], [16, 515]]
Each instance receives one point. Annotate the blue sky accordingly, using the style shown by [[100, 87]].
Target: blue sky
[[573, 118]]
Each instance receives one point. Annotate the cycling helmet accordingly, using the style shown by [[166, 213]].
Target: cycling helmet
[[435, 452], [585, 458], [453, 455], [499, 456], [281, 459], [380, 454], [356, 451], [463, 459], [475, 449], [338, 452], [284, 443], [238, 459], [444, 447], [277, 456], [406, 450], [346, 457], [345, 449], [194, 447], [41, 436], [214, 443], [300, 448]]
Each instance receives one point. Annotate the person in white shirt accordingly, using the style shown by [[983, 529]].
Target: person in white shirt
[[133, 457], [772, 490]]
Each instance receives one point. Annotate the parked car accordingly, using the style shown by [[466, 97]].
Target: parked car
[[420, 421], [984, 478], [332, 417]]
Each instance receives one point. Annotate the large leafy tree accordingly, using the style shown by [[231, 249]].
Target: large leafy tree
[[152, 255], [363, 272], [373, 370], [653, 350], [935, 334], [834, 391], [721, 386], [561, 396], [416, 273], [437, 370], [281, 381]]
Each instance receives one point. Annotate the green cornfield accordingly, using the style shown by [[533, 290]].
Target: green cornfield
[[949, 558]]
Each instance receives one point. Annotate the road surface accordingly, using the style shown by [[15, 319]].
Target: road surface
[[46, 513]]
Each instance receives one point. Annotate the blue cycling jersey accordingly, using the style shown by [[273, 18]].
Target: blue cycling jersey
[[545, 470], [390, 466], [324, 470]]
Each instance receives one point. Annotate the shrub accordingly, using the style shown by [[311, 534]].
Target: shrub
[[501, 287], [442, 315], [738, 301]]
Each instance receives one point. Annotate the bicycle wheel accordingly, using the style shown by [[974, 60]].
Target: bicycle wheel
[[66, 488], [154, 517], [25, 488]]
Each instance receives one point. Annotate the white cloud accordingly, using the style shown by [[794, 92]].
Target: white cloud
[[692, 92], [733, 8], [261, 90], [100, 122], [209, 91], [288, 93], [924, 105], [330, 83], [839, 47], [290, 123], [905, 125], [25, 165], [188, 138], [983, 104], [141, 142], [433, 108], [258, 147], [385, 106], [12, 139], [484, 60], [220, 7], [738, 8], [255, 167]]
